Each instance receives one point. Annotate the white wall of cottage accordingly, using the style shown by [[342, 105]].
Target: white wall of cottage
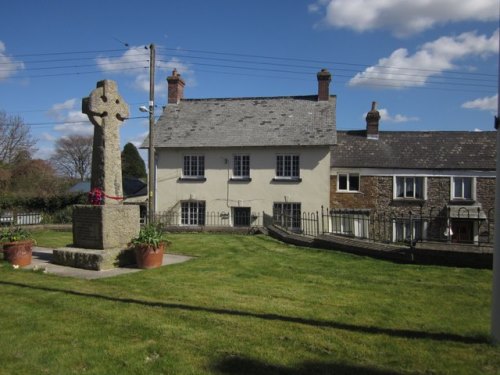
[[220, 194]]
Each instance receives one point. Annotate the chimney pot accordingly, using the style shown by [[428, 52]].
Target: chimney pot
[[175, 88], [324, 79], [372, 122]]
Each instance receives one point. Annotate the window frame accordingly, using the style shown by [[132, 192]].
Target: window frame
[[288, 168], [414, 188], [462, 198], [241, 166], [404, 230], [351, 224], [290, 214], [199, 168], [348, 182], [192, 215]]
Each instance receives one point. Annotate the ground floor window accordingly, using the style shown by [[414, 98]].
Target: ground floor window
[[287, 215], [351, 224], [193, 213], [406, 230]]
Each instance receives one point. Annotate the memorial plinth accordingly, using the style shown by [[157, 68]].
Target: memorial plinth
[[102, 232]]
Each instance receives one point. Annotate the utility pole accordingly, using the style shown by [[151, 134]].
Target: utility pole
[[495, 305], [152, 169]]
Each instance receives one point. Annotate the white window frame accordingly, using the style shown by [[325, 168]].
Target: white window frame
[[292, 214], [288, 168], [453, 196], [405, 177], [350, 224], [193, 213], [403, 225], [241, 167], [348, 182], [187, 167]]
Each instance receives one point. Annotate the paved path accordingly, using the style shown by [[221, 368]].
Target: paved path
[[42, 256]]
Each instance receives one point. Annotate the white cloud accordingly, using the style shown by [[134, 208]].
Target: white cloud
[[48, 137], [71, 118], [430, 60], [488, 103], [402, 17], [135, 62], [8, 66], [385, 116]]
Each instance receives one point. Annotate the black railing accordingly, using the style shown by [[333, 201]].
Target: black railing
[[306, 223], [457, 224], [210, 219]]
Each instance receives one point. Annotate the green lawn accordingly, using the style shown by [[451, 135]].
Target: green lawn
[[249, 305]]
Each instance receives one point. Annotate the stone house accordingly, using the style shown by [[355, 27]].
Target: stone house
[[239, 157], [400, 185]]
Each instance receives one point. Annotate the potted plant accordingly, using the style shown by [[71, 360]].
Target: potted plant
[[17, 246], [149, 247]]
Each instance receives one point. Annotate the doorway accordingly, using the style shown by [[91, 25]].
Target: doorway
[[463, 231]]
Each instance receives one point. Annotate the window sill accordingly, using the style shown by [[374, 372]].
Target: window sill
[[281, 180], [410, 200], [191, 179], [240, 179], [349, 191]]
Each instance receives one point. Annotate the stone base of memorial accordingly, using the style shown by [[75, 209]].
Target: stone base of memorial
[[100, 237]]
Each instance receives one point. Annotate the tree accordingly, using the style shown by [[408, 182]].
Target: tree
[[33, 177], [132, 163], [15, 137], [73, 156]]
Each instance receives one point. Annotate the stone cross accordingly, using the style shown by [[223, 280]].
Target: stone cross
[[106, 109]]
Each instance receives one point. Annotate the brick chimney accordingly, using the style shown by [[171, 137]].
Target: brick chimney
[[372, 119], [175, 88], [324, 79]]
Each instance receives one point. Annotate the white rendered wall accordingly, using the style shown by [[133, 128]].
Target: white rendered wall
[[260, 193]]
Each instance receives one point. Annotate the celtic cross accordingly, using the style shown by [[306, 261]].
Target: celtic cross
[[106, 110]]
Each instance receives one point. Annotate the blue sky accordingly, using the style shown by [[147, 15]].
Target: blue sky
[[431, 65]]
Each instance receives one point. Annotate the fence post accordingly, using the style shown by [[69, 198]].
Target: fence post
[[478, 234], [322, 221]]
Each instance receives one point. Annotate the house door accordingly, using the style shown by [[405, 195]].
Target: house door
[[463, 231], [241, 216]]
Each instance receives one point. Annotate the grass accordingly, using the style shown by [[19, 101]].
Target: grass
[[249, 305]]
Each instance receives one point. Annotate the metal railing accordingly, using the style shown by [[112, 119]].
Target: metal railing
[[210, 219], [456, 224], [305, 223]]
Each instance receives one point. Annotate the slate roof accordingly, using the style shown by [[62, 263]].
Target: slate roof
[[247, 122], [415, 150]]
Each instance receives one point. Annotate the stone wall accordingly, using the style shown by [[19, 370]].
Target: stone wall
[[376, 192]]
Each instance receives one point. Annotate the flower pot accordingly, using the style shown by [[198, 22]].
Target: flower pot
[[18, 253], [149, 256]]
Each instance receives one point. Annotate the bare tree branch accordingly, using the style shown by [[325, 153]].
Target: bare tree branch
[[15, 137], [73, 156]]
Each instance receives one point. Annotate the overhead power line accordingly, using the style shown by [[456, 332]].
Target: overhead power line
[[252, 66], [318, 61]]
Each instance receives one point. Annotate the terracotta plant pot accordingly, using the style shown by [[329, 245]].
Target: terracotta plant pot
[[148, 256], [18, 253]]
